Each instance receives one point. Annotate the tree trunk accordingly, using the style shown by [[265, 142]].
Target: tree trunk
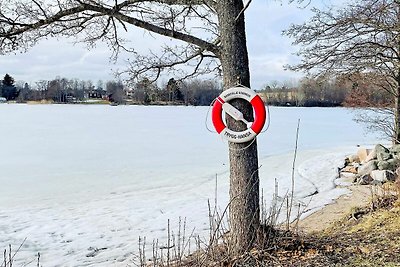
[[244, 209], [396, 137]]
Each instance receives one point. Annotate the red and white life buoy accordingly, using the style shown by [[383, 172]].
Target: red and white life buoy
[[221, 104]]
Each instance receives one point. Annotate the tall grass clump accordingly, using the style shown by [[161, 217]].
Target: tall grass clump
[[276, 229]]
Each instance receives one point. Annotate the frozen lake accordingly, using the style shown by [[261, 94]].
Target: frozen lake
[[78, 177]]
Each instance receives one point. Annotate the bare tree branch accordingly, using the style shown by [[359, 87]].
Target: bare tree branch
[[170, 60], [243, 10], [362, 37], [22, 25]]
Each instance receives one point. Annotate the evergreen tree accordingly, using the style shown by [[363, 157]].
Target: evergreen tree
[[8, 89]]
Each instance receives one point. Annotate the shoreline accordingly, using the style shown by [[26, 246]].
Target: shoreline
[[332, 212]]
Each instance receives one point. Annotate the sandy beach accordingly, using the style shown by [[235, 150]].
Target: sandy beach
[[323, 218]]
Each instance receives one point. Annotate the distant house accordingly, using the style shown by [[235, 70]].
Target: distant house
[[129, 92], [70, 98], [98, 94]]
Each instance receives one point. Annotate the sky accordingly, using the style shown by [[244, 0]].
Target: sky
[[269, 51]]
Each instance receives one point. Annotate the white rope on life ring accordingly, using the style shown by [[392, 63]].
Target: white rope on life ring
[[221, 104]]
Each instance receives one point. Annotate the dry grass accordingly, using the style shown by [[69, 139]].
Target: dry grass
[[368, 236], [10, 254]]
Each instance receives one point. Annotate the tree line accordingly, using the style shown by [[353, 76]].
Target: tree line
[[355, 90], [349, 90], [63, 90]]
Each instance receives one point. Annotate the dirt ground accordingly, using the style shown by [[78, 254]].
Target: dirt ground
[[324, 218]]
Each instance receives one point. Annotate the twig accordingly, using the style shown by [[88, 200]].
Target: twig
[[9, 255], [168, 244], [243, 10], [293, 170]]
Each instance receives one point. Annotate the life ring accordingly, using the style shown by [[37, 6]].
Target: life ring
[[221, 104]]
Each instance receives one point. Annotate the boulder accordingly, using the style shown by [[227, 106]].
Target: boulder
[[383, 175], [353, 158], [356, 164], [362, 153], [395, 149], [350, 168], [368, 167], [347, 175], [394, 164], [397, 172], [375, 182], [383, 165], [365, 179], [382, 153], [371, 156], [390, 164]]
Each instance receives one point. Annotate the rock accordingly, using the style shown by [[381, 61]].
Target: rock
[[383, 175], [350, 169], [382, 153], [367, 167], [365, 179], [347, 175], [362, 153], [390, 164], [383, 165], [397, 172], [94, 252], [356, 165], [345, 179], [381, 148], [393, 164], [371, 156], [378, 175], [395, 149], [375, 182], [353, 158]]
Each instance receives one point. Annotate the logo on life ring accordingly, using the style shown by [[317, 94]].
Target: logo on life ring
[[221, 104]]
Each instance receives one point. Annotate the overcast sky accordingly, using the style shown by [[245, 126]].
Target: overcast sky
[[269, 51]]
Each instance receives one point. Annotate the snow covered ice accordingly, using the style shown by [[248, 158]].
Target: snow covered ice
[[75, 178]]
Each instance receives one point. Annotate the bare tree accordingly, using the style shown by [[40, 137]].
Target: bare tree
[[217, 42], [115, 91], [200, 92], [362, 37], [377, 105]]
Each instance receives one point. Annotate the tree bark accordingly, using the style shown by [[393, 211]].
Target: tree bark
[[244, 209], [396, 137]]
